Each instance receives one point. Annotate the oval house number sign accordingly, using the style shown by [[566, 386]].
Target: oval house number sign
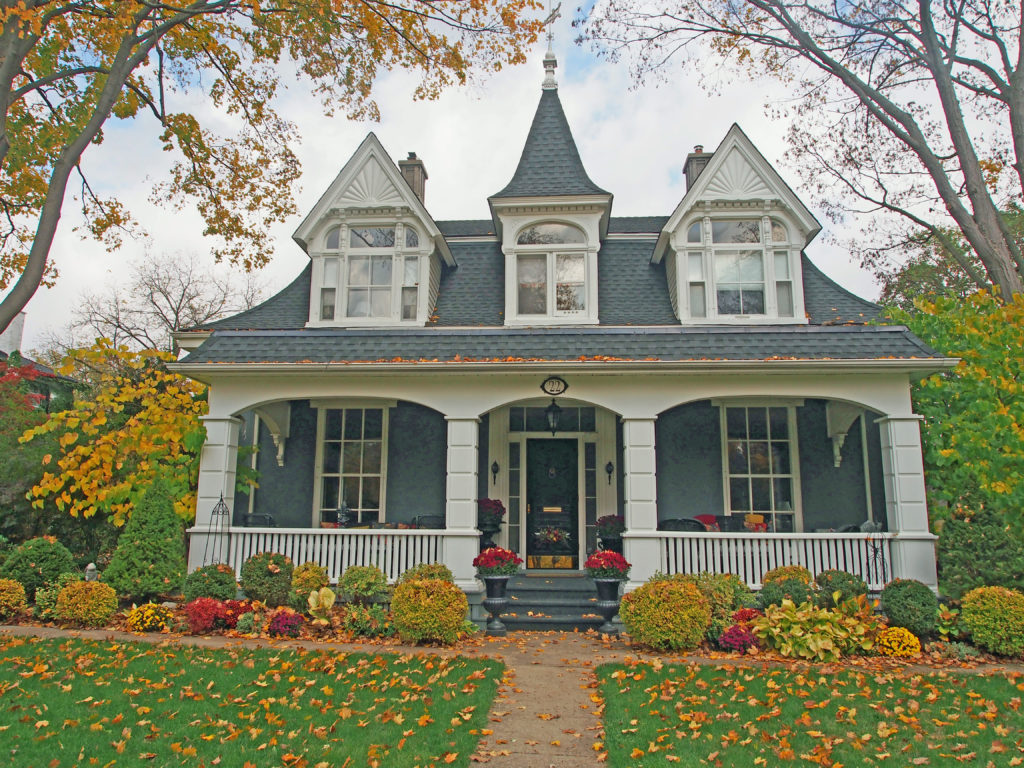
[[554, 386]]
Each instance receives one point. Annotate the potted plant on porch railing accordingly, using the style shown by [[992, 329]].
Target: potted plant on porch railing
[[496, 566], [608, 570], [489, 515], [609, 530]]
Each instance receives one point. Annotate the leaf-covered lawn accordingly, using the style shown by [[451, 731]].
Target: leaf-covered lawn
[[752, 716], [80, 703]]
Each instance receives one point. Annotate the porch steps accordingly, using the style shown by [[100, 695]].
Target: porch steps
[[552, 601]]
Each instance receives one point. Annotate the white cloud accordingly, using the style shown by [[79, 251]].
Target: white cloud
[[633, 143]]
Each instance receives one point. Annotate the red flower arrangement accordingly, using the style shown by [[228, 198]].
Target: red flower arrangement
[[611, 526], [605, 564], [490, 512], [746, 615], [497, 561]]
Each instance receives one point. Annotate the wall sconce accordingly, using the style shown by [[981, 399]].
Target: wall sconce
[[609, 468], [495, 469], [554, 414]]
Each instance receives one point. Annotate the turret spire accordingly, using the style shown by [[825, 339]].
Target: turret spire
[[550, 62]]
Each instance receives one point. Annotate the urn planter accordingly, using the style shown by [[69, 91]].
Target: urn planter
[[496, 602], [608, 603]]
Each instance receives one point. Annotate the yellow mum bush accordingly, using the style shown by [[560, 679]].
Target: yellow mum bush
[[897, 642], [150, 617]]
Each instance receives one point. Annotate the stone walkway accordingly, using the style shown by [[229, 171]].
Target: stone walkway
[[544, 715]]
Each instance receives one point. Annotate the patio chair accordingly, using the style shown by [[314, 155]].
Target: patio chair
[[730, 523], [430, 521], [682, 524]]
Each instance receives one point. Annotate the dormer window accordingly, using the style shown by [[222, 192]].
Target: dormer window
[[367, 276], [553, 274], [739, 268]]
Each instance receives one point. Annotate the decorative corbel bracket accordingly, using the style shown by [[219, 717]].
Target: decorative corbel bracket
[[277, 417], [839, 417]]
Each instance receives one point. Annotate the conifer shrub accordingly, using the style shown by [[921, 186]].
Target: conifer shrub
[[216, 580], [37, 563], [848, 586], [669, 614], [12, 598], [784, 572], [910, 604], [150, 555], [46, 597], [267, 577], [994, 617], [979, 551], [726, 593], [795, 590], [428, 611], [428, 571], [363, 584], [91, 603], [309, 577]]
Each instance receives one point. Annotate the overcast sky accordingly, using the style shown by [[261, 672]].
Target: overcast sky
[[633, 142]]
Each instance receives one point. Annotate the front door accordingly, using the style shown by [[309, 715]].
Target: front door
[[552, 503]]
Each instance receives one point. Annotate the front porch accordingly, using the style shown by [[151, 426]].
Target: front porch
[[818, 459]]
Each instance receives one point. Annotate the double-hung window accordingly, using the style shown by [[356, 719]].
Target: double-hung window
[[370, 273], [351, 462], [735, 267], [760, 462], [551, 272]]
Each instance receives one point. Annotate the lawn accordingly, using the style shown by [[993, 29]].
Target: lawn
[[755, 716], [78, 703]]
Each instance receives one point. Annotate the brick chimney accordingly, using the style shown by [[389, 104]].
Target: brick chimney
[[696, 162], [415, 174]]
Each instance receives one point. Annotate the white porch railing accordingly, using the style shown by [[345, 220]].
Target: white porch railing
[[750, 555], [393, 551]]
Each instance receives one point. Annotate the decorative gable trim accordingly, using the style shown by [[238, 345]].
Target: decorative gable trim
[[369, 183], [738, 177]]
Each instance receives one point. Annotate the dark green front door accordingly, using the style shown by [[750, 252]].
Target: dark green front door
[[552, 497]]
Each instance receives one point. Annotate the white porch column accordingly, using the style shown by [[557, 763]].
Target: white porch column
[[462, 538], [641, 545], [217, 466], [913, 549]]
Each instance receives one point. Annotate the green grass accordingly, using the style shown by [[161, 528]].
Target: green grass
[[79, 703], [752, 716]]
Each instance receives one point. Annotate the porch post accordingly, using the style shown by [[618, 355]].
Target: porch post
[[216, 477], [641, 545], [462, 539], [913, 548]]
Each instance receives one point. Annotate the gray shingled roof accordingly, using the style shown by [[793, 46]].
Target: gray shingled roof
[[632, 291], [550, 165], [667, 344]]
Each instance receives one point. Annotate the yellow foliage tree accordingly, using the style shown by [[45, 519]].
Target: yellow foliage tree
[[140, 422], [67, 68]]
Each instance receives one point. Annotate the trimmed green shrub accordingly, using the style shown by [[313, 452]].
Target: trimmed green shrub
[[846, 584], [428, 571], [216, 580], [309, 577], [910, 604], [428, 611], [150, 555], [979, 552], [91, 603], [369, 620], [46, 597], [784, 572], [267, 577], [37, 563], [363, 584], [726, 593], [12, 598], [670, 615], [994, 617], [796, 590]]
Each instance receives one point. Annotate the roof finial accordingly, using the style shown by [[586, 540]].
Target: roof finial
[[550, 62]]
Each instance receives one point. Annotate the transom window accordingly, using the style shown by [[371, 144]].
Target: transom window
[[551, 281], [738, 268], [371, 277], [353, 447], [760, 458]]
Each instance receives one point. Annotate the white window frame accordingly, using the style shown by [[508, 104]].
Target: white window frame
[[768, 249], [324, 277], [794, 457], [553, 316], [322, 406]]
